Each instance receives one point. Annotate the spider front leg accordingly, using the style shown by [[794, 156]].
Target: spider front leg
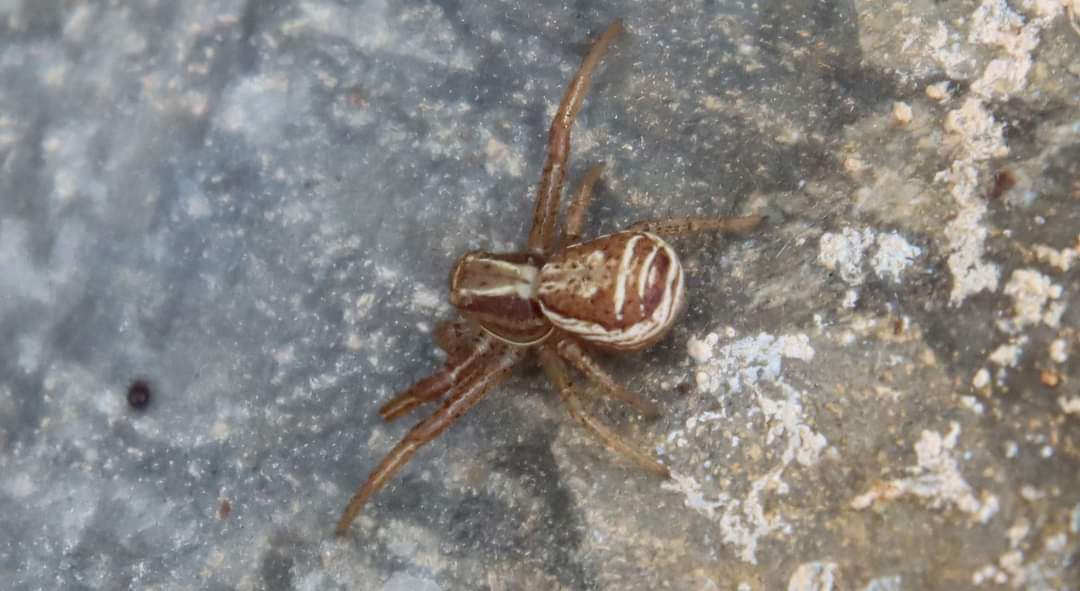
[[489, 370], [542, 234], [556, 371]]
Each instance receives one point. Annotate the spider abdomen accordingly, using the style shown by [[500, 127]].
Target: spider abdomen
[[621, 291]]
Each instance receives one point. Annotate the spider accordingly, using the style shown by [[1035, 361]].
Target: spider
[[558, 299]]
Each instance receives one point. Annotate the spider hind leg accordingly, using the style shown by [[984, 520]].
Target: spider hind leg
[[490, 370], [572, 352], [728, 226], [556, 370]]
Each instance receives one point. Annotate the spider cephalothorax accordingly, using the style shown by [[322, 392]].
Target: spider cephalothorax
[[557, 299], [498, 293]]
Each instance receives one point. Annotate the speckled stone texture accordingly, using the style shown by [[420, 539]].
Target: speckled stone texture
[[253, 206]]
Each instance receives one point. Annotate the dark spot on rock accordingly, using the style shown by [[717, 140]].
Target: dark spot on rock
[[357, 98], [138, 394], [1004, 180], [224, 509]]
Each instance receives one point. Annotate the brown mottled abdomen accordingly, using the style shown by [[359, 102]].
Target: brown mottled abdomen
[[621, 291]]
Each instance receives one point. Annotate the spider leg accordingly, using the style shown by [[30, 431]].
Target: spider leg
[[493, 368], [556, 370], [542, 235], [455, 337], [463, 351], [690, 225], [575, 214], [572, 352], [425, 390]]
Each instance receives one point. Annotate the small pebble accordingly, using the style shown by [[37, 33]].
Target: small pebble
[[901, 113]]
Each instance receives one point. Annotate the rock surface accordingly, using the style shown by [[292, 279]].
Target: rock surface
[[251, 208]]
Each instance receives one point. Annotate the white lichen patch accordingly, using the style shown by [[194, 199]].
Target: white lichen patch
[[1008, 354], [1025, 565], [746, 365], [843, 253], [971, 403], [1035, 301], [1070, 406], [814, 576], [936, 479], [967, 239], [785, 418], [971, 136], [944, 47], [700, 350], [746, 361], [1062, 260], [1058, 351], [971, 133], [742, 521], [995, 23], [850, 299], [894, 255], [1049, 9], [846, 252]]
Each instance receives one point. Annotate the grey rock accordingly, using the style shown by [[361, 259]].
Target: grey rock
[[253, 206]]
